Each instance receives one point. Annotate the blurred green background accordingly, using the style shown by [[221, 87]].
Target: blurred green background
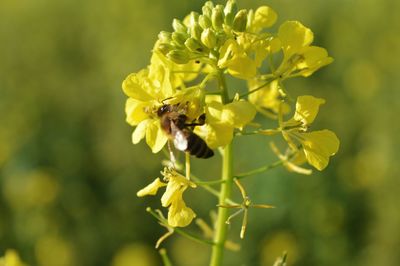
[[69, 173]]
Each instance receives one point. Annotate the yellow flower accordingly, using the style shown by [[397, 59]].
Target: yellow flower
[[244, 55], [235, 59], [300, 58], [11, 258], [179, 215], [269, 98], [140, 110], [221, 120], [317, 146], [147, 90]]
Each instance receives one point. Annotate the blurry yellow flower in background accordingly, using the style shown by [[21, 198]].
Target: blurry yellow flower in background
[[11, 258]]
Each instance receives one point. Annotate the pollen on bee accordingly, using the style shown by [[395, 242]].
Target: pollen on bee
[[180, 141]]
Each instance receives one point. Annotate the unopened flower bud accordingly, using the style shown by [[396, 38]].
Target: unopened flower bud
[[207, 8], [208, 38], [230, 7], [240, 21], [194, 45], [192, 19], [265, 16], [204, 21], [195, 31], [230, 11], [178, 56], [178, 26], [179, 38], [217, 16], [164, 48], [164, 37]]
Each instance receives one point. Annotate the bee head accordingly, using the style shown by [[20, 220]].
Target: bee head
[[165, 108]]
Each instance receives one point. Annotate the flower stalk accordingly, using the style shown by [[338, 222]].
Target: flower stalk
[[223, 213]]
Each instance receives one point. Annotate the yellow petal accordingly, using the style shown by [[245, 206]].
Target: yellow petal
[[155, 136], [135, 111], [238, 113], [313, 58], [214, 111], [215, 135], [140, 131], [151, 189], [135, 86], [307, 108], [242, 67], [294, 36], [179, 215], [319, 146], [233, 57]]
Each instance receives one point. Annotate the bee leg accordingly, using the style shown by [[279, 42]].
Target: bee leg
[[171, 155]]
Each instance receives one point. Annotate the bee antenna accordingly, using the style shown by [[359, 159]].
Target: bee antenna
[[166, 99]]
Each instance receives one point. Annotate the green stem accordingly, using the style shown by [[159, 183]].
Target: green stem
[[225, 191], [223, 213], [164, 257], [178, 230], [260, 170]]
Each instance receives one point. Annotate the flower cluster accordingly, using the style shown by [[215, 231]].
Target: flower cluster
[[175, 98], [179, 215]]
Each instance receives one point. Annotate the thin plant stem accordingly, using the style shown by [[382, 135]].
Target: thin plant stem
[[180, 231], [213, 182], [225, 191], [259, 170], [187, 165], [164, 257]]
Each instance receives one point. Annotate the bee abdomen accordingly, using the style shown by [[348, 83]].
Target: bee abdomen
[[198, 147]]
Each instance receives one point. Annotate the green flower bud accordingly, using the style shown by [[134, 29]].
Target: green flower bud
[[204, 21], [240, 21], [230, 11], [196, 31], [178, 26], [179, 38], [164, 48], [217, 16], [194, 45], [208, 38], [207, 8], [178, 56], [164, 37], [230, 7], [193, 18], [250, 17]]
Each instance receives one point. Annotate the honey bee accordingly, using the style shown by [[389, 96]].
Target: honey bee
[[176, 125]]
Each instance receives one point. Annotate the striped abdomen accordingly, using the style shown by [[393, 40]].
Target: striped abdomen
[[197, 146]]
